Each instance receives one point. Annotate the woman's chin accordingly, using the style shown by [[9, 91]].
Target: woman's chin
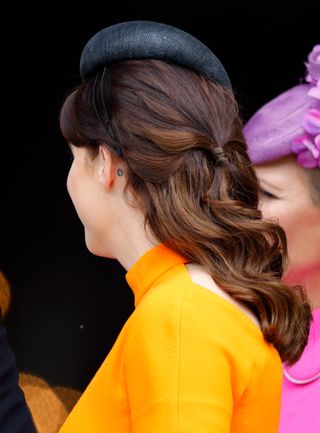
[[97, 249]]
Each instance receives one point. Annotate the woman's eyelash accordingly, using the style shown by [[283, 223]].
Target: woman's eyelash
[[267, 194]]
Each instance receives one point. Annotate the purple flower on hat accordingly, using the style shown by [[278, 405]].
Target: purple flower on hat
[[314, 92], [311, 121], [313, 65], [307, 147]]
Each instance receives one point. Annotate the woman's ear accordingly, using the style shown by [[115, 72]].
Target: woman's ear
[[106, 167]]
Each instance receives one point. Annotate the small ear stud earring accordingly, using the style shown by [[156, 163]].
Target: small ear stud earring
[[120, 172]]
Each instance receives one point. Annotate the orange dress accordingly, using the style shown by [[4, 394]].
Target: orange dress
[[186, 361]]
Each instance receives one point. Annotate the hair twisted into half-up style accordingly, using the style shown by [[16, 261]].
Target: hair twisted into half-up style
[[187, 166]]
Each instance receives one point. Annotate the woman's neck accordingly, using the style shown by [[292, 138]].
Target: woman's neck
[[310, 280], [131, 237]]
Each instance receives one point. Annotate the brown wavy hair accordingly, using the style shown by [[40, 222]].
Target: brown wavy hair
[[180, 137]]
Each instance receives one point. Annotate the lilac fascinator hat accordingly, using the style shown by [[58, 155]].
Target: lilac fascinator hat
[[289, 123]]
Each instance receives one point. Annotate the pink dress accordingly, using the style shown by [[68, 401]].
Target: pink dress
[[300, 408]]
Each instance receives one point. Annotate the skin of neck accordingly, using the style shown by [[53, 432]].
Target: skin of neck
[[130, 237], [309, 278]]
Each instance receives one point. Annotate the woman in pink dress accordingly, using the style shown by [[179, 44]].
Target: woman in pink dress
[[284, 144]]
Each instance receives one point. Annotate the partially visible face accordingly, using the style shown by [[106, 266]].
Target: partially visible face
[[285, 196], [88, 198]]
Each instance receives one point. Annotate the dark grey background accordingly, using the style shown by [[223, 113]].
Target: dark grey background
[[68, 306]]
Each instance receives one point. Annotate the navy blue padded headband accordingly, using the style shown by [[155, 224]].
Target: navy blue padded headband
[[150, 40]]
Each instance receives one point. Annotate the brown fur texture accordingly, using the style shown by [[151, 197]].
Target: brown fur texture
[[4, 294], [49, 406]]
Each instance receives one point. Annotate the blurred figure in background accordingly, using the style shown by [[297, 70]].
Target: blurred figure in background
[[284, 144], [22, 393], [15, 416]]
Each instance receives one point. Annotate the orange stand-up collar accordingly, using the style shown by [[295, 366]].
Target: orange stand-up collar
[[150, 267]]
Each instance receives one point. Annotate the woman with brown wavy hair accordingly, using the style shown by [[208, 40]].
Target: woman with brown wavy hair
[[162, 183]]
